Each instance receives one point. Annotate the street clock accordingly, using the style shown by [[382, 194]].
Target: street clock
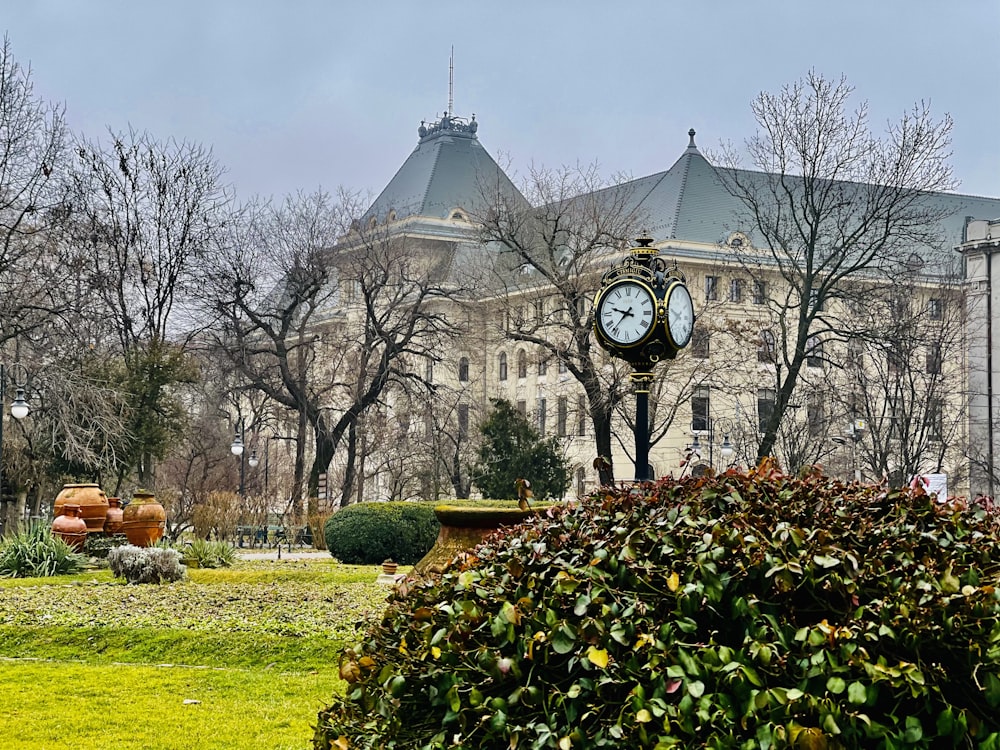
[[643, 311], [642, 314]]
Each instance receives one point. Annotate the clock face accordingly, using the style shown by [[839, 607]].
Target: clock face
[[680, 315], [626, 312]]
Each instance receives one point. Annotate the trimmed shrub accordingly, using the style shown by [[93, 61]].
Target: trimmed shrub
[[368, 533], [146, 564], [739, 611], [35, 552]]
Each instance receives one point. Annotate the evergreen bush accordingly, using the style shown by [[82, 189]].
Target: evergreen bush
[[209, 553], [35, 552], [146, 564], [368, 533], [739, 611], [99, 545]]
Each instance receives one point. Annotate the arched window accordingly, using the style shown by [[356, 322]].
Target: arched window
[[463, 370], [503, 365], [522, 364], [767, 350]]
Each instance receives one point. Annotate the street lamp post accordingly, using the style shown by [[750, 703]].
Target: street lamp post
[[854, 433], [237, 450], [726, 427], [19, 409]]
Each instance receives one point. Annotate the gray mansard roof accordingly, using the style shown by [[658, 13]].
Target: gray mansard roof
[[448, 170], [688, 202]]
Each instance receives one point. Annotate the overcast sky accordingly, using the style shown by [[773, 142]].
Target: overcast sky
[[299, 94]]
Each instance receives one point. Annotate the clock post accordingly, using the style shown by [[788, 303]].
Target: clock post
[[642, 314]]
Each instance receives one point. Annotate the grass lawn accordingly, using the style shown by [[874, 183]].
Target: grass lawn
[[241, 657]]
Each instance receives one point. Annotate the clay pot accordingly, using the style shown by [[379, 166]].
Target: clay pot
[[91, 499], [114, 520], [69, 527], [143, 519], [389, 567]]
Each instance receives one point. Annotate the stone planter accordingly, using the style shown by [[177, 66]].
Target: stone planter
[[91, 500], [462, 528]]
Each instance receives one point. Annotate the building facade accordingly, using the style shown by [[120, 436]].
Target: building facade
[[519, 314]]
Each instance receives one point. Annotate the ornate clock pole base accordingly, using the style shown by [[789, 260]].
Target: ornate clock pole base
[[642, 380]]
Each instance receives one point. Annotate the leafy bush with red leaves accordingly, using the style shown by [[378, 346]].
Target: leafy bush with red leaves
[[739, 611]]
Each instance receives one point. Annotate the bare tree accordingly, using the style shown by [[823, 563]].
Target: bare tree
[[832, 204], [551, 249], [905, 377], [33, 159], [321, 315], [147, 211]]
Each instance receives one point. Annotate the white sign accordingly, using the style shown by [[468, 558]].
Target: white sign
[[933, 484]]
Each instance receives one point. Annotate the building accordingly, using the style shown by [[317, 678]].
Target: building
[[518, 323], [981, 251]]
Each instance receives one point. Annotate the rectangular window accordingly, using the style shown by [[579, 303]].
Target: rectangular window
[[463, 421], [539, 311], [700, 409], [562, 415], [765, 407], [814, 352], [894, 361], [541, 417], [700, 343], [814, 419], [935, 309], [767, 350], [736, 290], [935, 420], [759, 292], [895, 424], [815, 302], [543, 365], [711, 287], [522, 408], [562, 366], [581, 416], [855, 352], [934, 360]]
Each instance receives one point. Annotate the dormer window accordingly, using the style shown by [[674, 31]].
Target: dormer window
[[458, 215], [738, 241]]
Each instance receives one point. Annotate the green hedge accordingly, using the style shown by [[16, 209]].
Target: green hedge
[[368, 533], [738, 611]]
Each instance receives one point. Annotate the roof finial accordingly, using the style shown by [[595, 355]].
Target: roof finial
[[691, 136], [451, 80]]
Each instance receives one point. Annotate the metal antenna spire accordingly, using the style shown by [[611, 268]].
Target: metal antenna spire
[[451, 81]]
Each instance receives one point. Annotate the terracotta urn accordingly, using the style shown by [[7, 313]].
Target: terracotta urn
[[91, 499], [389, 567], [69, 527], [114, 520], [143, 519]]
